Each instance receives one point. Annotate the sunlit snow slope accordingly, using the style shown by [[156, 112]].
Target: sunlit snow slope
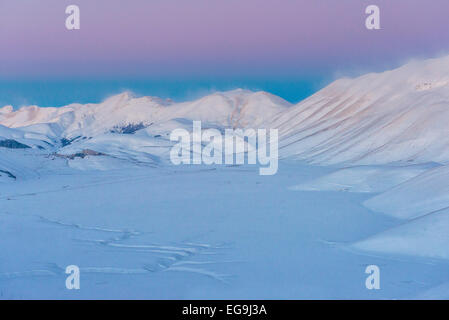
[[395, 116]]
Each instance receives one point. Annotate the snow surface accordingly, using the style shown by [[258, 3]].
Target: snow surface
[[95, 188], [194, 232], [374, 119], [363, 178], [419, 196], [425, 236]]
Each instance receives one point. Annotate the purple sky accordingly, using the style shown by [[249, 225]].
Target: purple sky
[[149, 38]]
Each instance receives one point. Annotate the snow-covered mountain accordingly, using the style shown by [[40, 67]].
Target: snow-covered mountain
[[124, 113], [23, 139], [395, 116], [134, 128]]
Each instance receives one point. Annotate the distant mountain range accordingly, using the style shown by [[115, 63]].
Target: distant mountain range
[[399, 116]]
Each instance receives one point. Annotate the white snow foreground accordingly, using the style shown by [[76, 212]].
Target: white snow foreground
[[426, 236], [364, 178], [417, 197], [97, 180], [423, 203]]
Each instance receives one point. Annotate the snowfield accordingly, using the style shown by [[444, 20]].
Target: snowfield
[[363, 180], [425, 236]]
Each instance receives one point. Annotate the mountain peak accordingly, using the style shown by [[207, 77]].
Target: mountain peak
[[6, 109]]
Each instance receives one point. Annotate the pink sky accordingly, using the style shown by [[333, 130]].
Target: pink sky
[[215, 37]]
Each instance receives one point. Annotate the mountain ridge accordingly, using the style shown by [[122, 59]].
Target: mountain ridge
[[397, 116]]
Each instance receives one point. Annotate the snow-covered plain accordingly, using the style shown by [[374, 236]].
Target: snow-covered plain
[[363, 180]]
